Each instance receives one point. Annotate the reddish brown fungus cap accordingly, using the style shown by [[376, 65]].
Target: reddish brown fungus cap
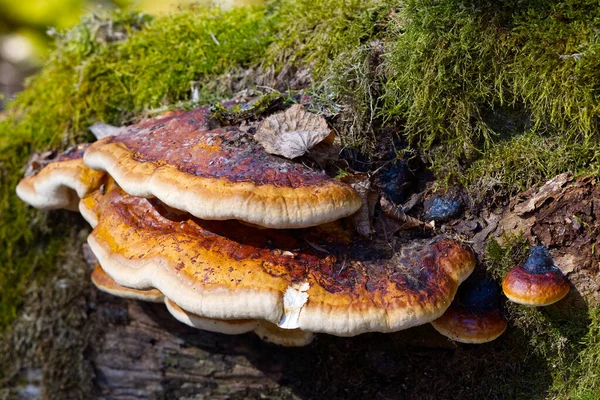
[[474, 316], [107, 284], [227, 270], [60, 182], [537, 282], [219, 174]]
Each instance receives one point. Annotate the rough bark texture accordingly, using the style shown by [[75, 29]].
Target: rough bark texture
[[145, 353]]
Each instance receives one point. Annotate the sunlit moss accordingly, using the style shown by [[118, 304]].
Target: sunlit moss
[[455, 67]]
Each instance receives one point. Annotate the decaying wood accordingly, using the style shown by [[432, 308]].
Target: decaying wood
[[147, 354], [144, 352], [394, 219], [362, 220]]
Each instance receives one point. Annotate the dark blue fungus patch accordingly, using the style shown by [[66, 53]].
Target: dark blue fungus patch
[[441, 209], [539, 261], [396, 181], [482, 295]]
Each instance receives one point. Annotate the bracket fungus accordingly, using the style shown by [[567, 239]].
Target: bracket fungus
[[228, 270], [104, 282], [267, 331], [59, 182], [218, 174], [284, 337], [536, 282], [179, 210], [474, 315], [225, 326]]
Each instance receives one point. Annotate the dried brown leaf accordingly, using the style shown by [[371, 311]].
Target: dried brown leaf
[[395, 212], [291, 133]]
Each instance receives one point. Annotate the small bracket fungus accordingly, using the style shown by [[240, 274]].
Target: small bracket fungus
[[107, 284], [228, 270], [61, 182], [265, 330], [284, 337], [474, 315], [218, 174], [225, 326], [536, 282]]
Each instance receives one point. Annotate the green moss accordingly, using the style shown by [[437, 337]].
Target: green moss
[[527, 159], [316, 33], [454, 65], [468, 84], [500, 256], [585, 381], [236, 114], [340, 41]]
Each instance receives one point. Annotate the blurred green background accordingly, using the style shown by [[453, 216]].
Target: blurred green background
[[26, 28]]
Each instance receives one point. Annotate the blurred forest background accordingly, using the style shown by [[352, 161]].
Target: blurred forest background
[[27, 27]]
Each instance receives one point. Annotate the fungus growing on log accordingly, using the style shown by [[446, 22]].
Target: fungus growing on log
[[228, 270], [59, 182], [102, 281], [474, 315], [536, 282], [265, 330], [218, 174]]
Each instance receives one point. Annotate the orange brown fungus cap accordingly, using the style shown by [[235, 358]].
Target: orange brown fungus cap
[[107, 284], [474, 316], [227, 270], [537, 282], [219, 174], [61, 182]]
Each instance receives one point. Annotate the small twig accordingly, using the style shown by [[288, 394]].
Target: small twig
[[213, 37], [316, 246]]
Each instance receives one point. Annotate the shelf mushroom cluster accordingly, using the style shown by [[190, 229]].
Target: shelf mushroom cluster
[[235, 240]]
